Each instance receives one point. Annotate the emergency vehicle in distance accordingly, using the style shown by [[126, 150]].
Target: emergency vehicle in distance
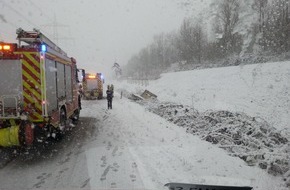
[[38, 90], [92, 86]]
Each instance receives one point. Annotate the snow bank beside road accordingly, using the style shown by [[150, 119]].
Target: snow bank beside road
[[248, 138], [259, 90]]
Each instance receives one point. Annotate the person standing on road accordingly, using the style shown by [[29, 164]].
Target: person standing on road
[[109, 97], [112, 88]]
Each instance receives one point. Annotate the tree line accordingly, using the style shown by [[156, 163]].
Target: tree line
[[193, 43]]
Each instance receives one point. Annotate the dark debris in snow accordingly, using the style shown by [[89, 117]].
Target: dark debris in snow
[[249, 138]]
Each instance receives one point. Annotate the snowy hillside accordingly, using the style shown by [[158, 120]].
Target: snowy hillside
[[259, 90], [248, 17]]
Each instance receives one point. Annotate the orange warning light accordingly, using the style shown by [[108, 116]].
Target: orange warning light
[[92, 76], [6, 47]]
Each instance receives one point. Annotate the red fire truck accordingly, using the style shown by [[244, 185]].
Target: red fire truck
[[93, 86], [38, 90]]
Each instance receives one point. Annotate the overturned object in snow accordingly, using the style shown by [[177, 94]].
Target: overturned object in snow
[[135, 97], [148, 95], [184, 186]]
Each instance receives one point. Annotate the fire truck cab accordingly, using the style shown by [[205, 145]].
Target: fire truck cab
[[38, 90]]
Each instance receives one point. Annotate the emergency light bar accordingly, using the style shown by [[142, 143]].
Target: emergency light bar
[[7, 47], [101, 75], [43, 48], [92, 76]]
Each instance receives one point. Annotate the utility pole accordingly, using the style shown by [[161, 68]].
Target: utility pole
[[55, 25]]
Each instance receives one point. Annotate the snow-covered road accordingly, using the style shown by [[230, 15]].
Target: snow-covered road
[[128, 148]]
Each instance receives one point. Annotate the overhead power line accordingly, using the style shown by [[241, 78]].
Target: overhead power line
[[3, 30], [21, 15], [55, 25], [39, 8]]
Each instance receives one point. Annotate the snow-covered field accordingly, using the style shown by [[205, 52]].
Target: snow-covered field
[[259, 90]]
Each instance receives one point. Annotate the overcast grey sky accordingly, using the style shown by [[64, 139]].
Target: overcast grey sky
[[97, 32]]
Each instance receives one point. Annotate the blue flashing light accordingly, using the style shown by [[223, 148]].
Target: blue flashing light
[[102, 76], [43, 48]]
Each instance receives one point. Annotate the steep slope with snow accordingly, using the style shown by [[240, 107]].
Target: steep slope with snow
[[259, 90]]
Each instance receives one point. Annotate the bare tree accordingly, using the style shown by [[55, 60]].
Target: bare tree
[[228, 18], [185, 42], [261, 6], [199, 41], [275, 35]]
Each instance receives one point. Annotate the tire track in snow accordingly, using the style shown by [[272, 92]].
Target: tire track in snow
[[86, 183], [42, 178], [117, 168], [106, 171], [115, 150]]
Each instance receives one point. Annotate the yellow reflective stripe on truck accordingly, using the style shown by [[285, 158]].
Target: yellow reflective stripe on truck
[[43, 86], [31, 68], [31, 77]]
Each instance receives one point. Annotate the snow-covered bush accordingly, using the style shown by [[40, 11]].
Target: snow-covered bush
[[249, 138]]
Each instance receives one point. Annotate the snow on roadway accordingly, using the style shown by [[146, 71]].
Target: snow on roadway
[[136, 149], [259, 90]]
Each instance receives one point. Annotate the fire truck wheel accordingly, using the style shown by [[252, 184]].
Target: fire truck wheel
[[56, 134], [62, 119], [80, 102], [76, 116]]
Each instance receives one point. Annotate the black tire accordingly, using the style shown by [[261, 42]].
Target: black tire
[[56, 134], [62, 117], [76, 116], [80, 102]]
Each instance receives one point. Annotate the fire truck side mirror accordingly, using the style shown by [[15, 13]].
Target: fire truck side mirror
[[77, 74], [83, 75]]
